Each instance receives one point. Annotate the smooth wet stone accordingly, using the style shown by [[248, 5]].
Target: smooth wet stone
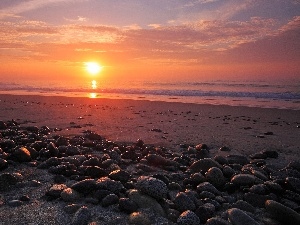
[[127, 205], [3, 164], [82, 216], [139, 218], [243, 180], [239, 217], [21, 155], [56, 190], [183, 202], [85, 186], [205, 211], [217, 221], [152, 187], [110, 200], [188, 218], [106, 183], [206, 186], [145, 201], [237, 159], [203, 165], [119, 175], [282, 213], [243, 205], [70, 195], [215, 176], [15, 203]]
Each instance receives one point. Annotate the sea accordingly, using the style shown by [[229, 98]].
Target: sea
[[280, 94]]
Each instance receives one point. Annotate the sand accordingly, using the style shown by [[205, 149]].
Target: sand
[[244, 130]]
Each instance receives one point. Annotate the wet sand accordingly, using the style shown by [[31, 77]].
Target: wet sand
[[244, 130]]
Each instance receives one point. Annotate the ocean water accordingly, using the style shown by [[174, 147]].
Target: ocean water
[[265, 94]]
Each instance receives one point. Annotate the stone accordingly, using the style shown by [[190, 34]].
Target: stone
[[152, 187], [119, 175], [56, 190], [256, 200], [215, 176], [111, 185], [206, 186], [127, 205], [228, 172], [281, 213], [205, 211], [217, 221], [239, 217], [243, 180], [293, 183], [188, 218], [15, 203], [237, 159], [85, 186], [110, 200], [245, 206], [82, 216], [203, 165], [183, 202], [93, 171], [70, 195], [3, 164], [145, 201], [138, 218], [21, 155]]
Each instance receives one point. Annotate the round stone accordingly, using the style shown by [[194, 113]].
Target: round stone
[[183, 202], [239, 217], [215, 176], [188, 218], [152, 187], [243, 180]]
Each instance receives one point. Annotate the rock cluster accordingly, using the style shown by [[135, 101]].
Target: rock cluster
[[148, 184]]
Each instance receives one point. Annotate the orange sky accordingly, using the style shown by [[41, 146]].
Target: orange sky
[[40, 40]]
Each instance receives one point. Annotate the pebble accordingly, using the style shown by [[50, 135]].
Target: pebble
[[70, 195], [239, 217], [152, 187], [110, 200], [127, 205], [82, 216], [139, 218], [203, 165], [237, 159], [188, 218], [85, 186], [215, 176], [206, 186], [21, 155], [243, 205], [3, 164], [15, 203], [283, 214], [183, 202], [243, 180], [217, 221]]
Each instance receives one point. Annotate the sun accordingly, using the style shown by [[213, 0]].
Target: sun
[[93, 67]]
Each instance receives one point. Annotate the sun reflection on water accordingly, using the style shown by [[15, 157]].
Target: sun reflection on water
[[94, 87]]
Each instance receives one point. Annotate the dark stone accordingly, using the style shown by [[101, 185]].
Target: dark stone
[[110, 199], [256, 200], [3, 164], [237, 159], [239, 217], [107, 184], [183, 202], [21, 155], [93, 171], [203, 165], [6, 180], [188, 218], [152, 187], [127, 205], [271, 154], [217, 221], [119, 175], [82, 216], [205, 211], [86, 186]]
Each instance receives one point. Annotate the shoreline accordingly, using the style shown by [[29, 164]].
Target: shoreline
[[242, 129]]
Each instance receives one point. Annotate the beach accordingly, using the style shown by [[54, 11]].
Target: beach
[[171, 126]]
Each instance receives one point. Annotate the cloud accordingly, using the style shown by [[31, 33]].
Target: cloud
[[25, 6]]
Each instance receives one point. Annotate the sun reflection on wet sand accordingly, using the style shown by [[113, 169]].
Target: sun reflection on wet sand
[[94, 87]]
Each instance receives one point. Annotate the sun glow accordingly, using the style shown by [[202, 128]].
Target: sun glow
[[93, 67]]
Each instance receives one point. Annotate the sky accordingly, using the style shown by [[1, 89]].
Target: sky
[[150, 39]]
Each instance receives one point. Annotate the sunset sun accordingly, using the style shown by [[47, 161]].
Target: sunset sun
[[93, 67]]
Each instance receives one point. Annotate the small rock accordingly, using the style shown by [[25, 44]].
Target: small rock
[[183, 202], [243, 180], [215, 176], [3, 164], [152, 187], [21, 155], [82, 216], [127, 205], [203, 165], [110, 200], [245, 206], [138, 218], [15, 203], [205, 211], [239, 217], [188, 218], [216, 221], [206, 186], [56, 190], [85, 186], [282, 213], [237, 159], [70, 195]]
